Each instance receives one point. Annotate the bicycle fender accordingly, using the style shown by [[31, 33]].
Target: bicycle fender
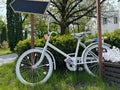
[[51, 55], [106, 44]]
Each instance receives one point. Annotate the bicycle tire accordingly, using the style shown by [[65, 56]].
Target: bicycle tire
[[26, 74], [88, 56]]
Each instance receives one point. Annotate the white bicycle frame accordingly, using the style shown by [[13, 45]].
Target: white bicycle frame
[[61, 52]]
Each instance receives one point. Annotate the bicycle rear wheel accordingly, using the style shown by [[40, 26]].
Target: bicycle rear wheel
[[90, 58], [28, 75]]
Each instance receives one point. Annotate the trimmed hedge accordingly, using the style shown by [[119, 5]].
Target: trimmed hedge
[[65, 43], [113, 38]]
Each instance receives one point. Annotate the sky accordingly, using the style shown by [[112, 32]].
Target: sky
[[3, 7]]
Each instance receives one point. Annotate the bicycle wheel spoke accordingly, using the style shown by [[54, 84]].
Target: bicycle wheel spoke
[[37, 57], [27, 74], [91, 59], [43, 65], [93, 53], [27, 60], [93, 66]]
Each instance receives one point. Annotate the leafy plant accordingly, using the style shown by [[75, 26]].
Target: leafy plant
[[60, 80], [113, 38], [65, 43]]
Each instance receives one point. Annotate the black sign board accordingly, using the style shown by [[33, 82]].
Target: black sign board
[[29, 6]]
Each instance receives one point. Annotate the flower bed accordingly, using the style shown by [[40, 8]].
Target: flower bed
[[112, 72]]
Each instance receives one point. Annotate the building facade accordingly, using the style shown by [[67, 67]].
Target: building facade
[[110, 21]]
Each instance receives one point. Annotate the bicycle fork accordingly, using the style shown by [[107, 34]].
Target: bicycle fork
[[41, 58]]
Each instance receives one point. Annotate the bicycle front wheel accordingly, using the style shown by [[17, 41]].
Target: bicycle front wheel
[[90, 58], [29, 75]]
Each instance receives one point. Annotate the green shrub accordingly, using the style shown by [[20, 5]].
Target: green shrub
[[113, 38], [65, 43], [22, 46]]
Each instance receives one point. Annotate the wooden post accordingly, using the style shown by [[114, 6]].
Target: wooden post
[[99, 37], [32, 37], [32, 30]]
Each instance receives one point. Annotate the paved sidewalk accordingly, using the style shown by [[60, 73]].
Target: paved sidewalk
[[8, 58]]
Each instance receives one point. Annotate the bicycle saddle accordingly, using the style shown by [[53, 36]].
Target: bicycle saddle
[[78, 35]]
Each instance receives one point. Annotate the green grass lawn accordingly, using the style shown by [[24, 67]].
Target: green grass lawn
[[60, 80], [5, 51]]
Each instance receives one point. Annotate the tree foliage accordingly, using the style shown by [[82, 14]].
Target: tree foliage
[[3, 35], [2, 24], [14, 25], [66, 12]]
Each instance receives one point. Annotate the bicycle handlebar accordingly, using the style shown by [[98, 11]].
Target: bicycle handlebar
[[75, 34], [47, 36]]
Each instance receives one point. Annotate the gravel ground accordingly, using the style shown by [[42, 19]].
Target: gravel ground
[[7, 58]]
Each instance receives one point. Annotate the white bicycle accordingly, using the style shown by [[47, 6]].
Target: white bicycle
[[36, 65]]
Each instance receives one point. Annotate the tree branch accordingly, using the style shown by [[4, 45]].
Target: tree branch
[[85, 14], [53, 17], [24, 18]]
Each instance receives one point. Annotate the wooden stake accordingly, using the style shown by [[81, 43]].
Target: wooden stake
[[32, 30], [99, 37]]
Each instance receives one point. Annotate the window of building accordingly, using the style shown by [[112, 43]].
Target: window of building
[[115, 20], [104, 20]]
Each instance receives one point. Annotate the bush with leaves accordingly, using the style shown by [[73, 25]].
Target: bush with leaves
[[22, 46], [113, 38], [65, 43]]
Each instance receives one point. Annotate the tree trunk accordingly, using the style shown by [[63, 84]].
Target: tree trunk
[[63, 29], [26, 34], [3, 35]]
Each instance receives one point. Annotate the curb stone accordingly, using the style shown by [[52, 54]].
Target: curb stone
[[8, 58]]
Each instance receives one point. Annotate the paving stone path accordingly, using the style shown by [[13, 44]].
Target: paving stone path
[[8, 58]]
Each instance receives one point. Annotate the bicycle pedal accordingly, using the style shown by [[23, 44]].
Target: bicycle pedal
[[68, 60]]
